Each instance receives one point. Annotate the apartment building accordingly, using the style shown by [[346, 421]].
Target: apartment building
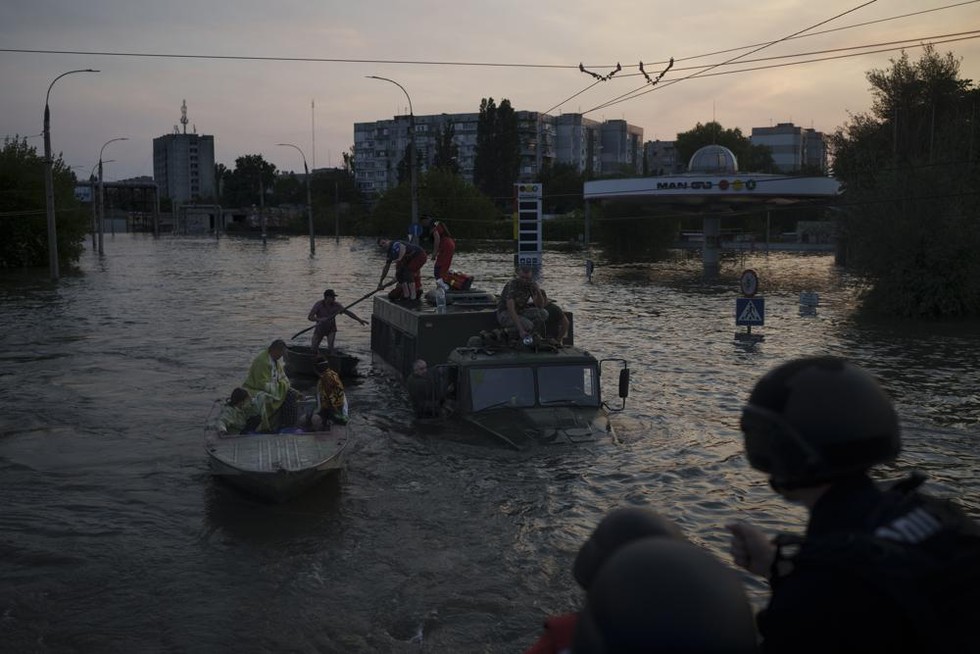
[[183, 166], [792, 146], [661, 158], [622, 148], [578, 143], [544, 140]]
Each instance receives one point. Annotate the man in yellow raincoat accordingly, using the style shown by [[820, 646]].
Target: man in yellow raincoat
[[271, 391]]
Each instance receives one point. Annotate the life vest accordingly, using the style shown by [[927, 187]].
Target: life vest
[[411, 251], [458, 280]]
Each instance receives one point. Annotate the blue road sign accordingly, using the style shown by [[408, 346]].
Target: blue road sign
[[750, 311]]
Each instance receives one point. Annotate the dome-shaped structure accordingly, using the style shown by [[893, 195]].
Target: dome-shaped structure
[[713, 160]]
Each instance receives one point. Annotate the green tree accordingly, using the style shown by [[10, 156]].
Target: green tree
[[911, 222], [23, 211], [349, 163], [252, 176], [404, 170], [290, 189], [335, 197], [498, 151], [447, 151], [469, 213], [751, 158], [563, 185]]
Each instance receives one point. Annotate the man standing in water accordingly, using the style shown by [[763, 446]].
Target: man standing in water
[[325, 313]]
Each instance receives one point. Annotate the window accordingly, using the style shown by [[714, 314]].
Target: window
[[493, 387], [572, 384]]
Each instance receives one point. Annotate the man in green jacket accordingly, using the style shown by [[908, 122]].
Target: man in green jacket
[[268, 384]]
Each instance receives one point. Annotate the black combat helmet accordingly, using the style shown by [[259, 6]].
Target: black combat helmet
[[619, 527], [816, 419], [664, 595]]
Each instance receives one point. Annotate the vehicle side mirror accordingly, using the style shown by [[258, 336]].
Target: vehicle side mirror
[[624, 383]]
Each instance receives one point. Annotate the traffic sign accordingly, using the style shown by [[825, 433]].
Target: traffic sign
[[750, 311], [749, 283]]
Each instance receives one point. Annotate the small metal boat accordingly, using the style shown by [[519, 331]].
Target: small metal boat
[[277, 467]]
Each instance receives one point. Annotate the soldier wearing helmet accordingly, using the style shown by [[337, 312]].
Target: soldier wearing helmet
[[872, 557]]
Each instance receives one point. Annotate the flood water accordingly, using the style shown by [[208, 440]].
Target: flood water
[[114, 537]]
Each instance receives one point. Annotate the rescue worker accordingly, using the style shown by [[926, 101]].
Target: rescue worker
[[408, 260], [443, 248], [885, 570]]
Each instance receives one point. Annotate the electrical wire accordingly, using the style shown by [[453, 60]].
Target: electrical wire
[[422, 62], [635, 92]]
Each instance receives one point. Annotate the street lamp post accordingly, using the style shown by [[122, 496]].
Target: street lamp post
[[93, 188], [413, 164], [49, 177], [101, 192], [309, 194]]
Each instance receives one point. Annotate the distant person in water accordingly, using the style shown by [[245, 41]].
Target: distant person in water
[[238, 415], [325, 313], [408, 260], [274, 396], [423, 391]]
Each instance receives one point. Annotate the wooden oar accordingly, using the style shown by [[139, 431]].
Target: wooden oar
[[360, 299]]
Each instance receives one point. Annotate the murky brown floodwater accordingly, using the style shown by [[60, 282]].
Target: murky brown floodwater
[[114, 538]]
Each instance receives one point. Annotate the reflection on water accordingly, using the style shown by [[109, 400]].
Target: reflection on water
[[117, 539]]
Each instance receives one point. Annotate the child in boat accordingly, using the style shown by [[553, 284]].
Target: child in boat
[[331, 401], [238, 415]]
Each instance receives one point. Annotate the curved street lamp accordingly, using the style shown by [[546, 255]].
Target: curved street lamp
[[413, 164], [49, 177], [101, 198], [309, 194]]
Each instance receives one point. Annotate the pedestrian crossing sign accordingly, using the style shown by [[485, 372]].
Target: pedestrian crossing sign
[[750, 311]]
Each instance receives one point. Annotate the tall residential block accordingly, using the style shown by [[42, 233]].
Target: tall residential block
[[622, 148], [183, 166], [792, 147]]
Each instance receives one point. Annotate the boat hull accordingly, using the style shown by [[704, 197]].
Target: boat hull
[[278, 467]]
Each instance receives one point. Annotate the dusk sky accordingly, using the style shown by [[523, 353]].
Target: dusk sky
[[447, 56]]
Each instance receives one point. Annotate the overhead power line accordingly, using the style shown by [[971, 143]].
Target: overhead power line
[[636, 92], [425, 62], [643, 90]]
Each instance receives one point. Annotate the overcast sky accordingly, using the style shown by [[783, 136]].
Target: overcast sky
[[231, 62]]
